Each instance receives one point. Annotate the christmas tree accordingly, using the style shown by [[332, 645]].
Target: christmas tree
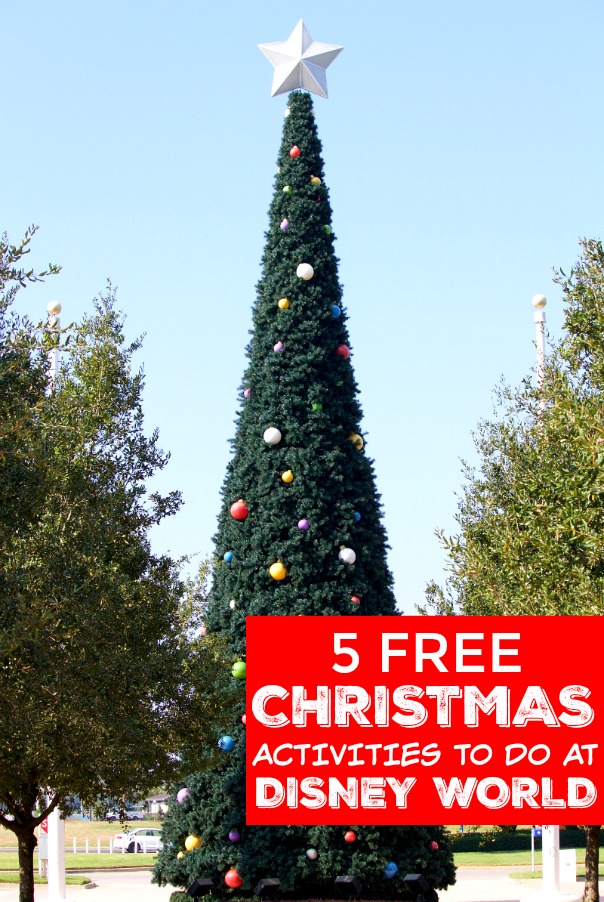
[[299, 532]]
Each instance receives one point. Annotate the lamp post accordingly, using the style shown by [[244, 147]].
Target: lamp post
[[56, 825], [54, 327], [550, 837], [539, 303]]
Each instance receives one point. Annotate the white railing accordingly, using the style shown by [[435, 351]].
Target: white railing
[[141, 842]]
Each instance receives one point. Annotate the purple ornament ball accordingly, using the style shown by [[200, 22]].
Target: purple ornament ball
[[284, 225], [181, 795], [278, 347], [234, 835], [247, 392], [303, 524]]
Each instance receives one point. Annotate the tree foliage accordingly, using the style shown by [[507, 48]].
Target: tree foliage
[[530, 536], [103, 694]]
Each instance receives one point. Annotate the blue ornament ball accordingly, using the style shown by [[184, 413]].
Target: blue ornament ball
[[391, 870], [357, 516], [228, 556], [335, 312], [226, 744]]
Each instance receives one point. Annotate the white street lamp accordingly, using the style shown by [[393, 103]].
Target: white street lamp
[[56, 825], [550, 837], [539, 303], [54, 327]]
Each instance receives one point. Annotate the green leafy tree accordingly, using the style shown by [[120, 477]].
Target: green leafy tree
[[531, 517], [103, 693], [308, 494]]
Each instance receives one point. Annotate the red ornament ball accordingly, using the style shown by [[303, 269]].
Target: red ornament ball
[[244, 719], [295, 151], [434, 846], [355, 599], [238, 510], [232, 879], [350, 836], [343, 351]]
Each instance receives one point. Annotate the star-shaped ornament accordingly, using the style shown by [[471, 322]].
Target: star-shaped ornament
[[300, 62]]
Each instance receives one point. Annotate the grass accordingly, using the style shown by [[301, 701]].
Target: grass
[[70, 879], [536, 874], [82, 862], [495, 859]]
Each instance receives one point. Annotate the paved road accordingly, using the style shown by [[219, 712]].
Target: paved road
[[473, 885]]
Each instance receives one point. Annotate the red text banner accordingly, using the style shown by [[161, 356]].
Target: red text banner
[[424, 720]]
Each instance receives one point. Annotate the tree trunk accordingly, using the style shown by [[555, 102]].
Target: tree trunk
[[592, 862], [27, 843]]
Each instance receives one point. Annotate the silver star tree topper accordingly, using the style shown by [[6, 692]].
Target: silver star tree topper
[[300, 62]]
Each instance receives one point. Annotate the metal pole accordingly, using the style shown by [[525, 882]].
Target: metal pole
[[56, 857], [550, 844], [54, 327], [56, 825], [550, 837], [539, 303], [532, 848]]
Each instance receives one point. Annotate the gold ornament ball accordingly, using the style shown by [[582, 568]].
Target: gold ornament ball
[[278, 571], [288, 476], [356, 440], [192, 842], [180, 856], [283, 304], [315, 180]]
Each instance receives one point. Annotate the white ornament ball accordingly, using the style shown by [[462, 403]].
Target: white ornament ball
[[287, 112], [347, 555], [312, 854], [53, 308], [305, 271], [539, 301], [272, 436], [232, 604]]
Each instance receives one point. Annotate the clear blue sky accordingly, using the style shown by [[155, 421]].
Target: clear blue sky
[[463, 151]]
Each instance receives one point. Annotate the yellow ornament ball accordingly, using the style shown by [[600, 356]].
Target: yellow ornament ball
[[315, 180], [180, 856], [283, 304], [288, 476], [192, 842], [356, 440], [277, 571]]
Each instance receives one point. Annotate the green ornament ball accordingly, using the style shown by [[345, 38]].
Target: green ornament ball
[[316, 405], [238, 670]]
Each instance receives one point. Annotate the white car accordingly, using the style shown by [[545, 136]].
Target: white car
[[145, 839]]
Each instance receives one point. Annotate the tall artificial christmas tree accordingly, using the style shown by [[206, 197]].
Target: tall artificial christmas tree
[[299, 532]]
